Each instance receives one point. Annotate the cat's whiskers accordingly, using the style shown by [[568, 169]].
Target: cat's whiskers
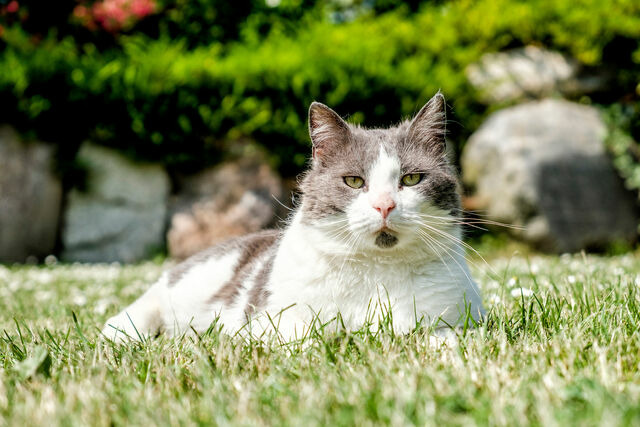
[[447, 251], [439, 221], [485, 221], [290, 209], [442, 221], [458, 242], [447, 248], [326, 223], [345, 238], [472, 221], [337, 233], [433, 249], [353, 241], [347, 244], [447, 221], [348, 257]]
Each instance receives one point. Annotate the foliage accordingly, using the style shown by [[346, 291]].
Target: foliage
[[624, 131], [168, 90], [560, 347]]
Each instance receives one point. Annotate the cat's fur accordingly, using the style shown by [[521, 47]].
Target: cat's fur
[[338, 254]]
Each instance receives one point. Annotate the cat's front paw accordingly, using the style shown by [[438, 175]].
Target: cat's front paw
[[120, 328], [444, 337]]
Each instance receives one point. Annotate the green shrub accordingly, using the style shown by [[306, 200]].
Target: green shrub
[[174, 99], [624, 126]]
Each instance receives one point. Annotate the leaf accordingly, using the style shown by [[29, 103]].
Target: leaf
[[38, 364]]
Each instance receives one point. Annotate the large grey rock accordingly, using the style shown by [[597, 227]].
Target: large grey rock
[[530, 72], [225, 201], [121, 215], [543, 166], [30, 197]]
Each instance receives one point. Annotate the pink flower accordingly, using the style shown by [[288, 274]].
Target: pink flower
[[142, 8], [13, 6], [80, 12], [113, 15]]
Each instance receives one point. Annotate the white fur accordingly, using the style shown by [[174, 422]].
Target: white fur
[[331, 267]]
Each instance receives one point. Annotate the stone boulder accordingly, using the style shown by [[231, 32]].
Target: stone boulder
[[30, 198], [543, 166], [530, 72], [122, 214], [225, 201]]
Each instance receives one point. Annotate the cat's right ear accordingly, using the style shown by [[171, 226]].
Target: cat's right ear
[[428, 127], [326, 129]]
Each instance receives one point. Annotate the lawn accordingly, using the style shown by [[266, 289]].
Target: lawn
[[560, 346]]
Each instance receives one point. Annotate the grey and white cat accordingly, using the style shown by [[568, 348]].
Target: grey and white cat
[[377, 231]]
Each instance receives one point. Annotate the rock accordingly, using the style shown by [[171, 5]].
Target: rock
[[121, 216], [225, 201], [30, 198], [530, 72], [543, 166]]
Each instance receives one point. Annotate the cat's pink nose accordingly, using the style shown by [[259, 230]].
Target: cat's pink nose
[[384, 205]]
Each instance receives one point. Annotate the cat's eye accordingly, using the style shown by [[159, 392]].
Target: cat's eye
[[411, 179], [354, 181]]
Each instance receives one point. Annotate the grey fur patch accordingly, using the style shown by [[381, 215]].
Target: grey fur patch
[[386, 240], [180, 270], [441, 190], [259, 293], [252, 246]]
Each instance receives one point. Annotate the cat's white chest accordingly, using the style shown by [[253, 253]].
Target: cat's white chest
[[308, 284], [365, 291]]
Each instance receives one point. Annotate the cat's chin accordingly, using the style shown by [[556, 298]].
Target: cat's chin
[[386, 239]]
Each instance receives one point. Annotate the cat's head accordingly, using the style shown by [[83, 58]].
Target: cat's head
[[380, 190]]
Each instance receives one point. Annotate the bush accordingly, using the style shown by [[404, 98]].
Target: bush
[[174, 99], [624, 126]]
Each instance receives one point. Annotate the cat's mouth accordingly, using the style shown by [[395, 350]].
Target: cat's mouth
[[385, 239]]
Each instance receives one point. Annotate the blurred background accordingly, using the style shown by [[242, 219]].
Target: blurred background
[[131, 128]]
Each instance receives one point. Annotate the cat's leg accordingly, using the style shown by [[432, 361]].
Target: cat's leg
[[446, 337], [142, 319]]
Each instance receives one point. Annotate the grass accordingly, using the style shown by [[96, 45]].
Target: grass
[[560, 347]]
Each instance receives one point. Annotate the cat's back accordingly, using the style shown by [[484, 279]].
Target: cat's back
[[242, 251], [231, 276]]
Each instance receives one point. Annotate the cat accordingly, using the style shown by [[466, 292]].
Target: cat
[[377, 233]]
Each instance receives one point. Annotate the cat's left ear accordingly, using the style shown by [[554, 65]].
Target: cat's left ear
[[429, 126]]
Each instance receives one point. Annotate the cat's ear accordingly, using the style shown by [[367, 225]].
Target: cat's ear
[[429, 126], [326, 129]]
